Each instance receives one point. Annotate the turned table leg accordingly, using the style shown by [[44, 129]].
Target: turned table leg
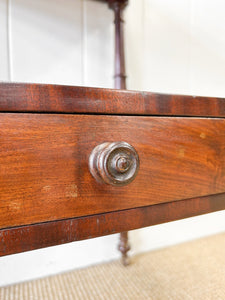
[[124, 247], [120, 83]]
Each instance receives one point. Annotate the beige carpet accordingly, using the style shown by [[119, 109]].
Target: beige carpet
[[194, 270]]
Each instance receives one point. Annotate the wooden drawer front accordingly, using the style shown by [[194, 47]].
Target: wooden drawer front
[[44, 172]]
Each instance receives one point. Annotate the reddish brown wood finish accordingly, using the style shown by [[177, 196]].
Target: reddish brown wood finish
[[50, 98], [19, 97], [44, 172], [36, 236]]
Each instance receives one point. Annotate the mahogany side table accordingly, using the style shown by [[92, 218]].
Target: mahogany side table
[[77, 162]]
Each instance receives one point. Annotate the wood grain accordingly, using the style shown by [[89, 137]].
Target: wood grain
[[21, 97], [36, 236], [44, 171]]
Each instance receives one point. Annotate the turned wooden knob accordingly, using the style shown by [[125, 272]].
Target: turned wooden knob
[[114, 163]]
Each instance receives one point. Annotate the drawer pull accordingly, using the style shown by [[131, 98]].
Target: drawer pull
[[114, 163]]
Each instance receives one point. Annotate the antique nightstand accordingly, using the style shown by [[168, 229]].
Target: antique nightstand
[[78, 162]]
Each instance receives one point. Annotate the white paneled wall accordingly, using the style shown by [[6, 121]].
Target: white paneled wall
[[207, 46], [4, 41], [166, 45], [98, 45], [175, 46], [46, 41]]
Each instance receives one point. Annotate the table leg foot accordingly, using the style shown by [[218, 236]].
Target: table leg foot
[[124, 247]]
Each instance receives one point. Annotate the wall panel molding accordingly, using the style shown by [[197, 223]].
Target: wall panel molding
[[4, 41], [47, 41], [98, 44]]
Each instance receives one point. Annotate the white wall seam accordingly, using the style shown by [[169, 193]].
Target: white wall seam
[[190, 87], [9, 39], [83, 43], [143, 36]]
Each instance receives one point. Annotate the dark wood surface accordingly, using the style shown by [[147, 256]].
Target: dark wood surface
[[44, 172], [36, 236], [19, 97], [181, 157]]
